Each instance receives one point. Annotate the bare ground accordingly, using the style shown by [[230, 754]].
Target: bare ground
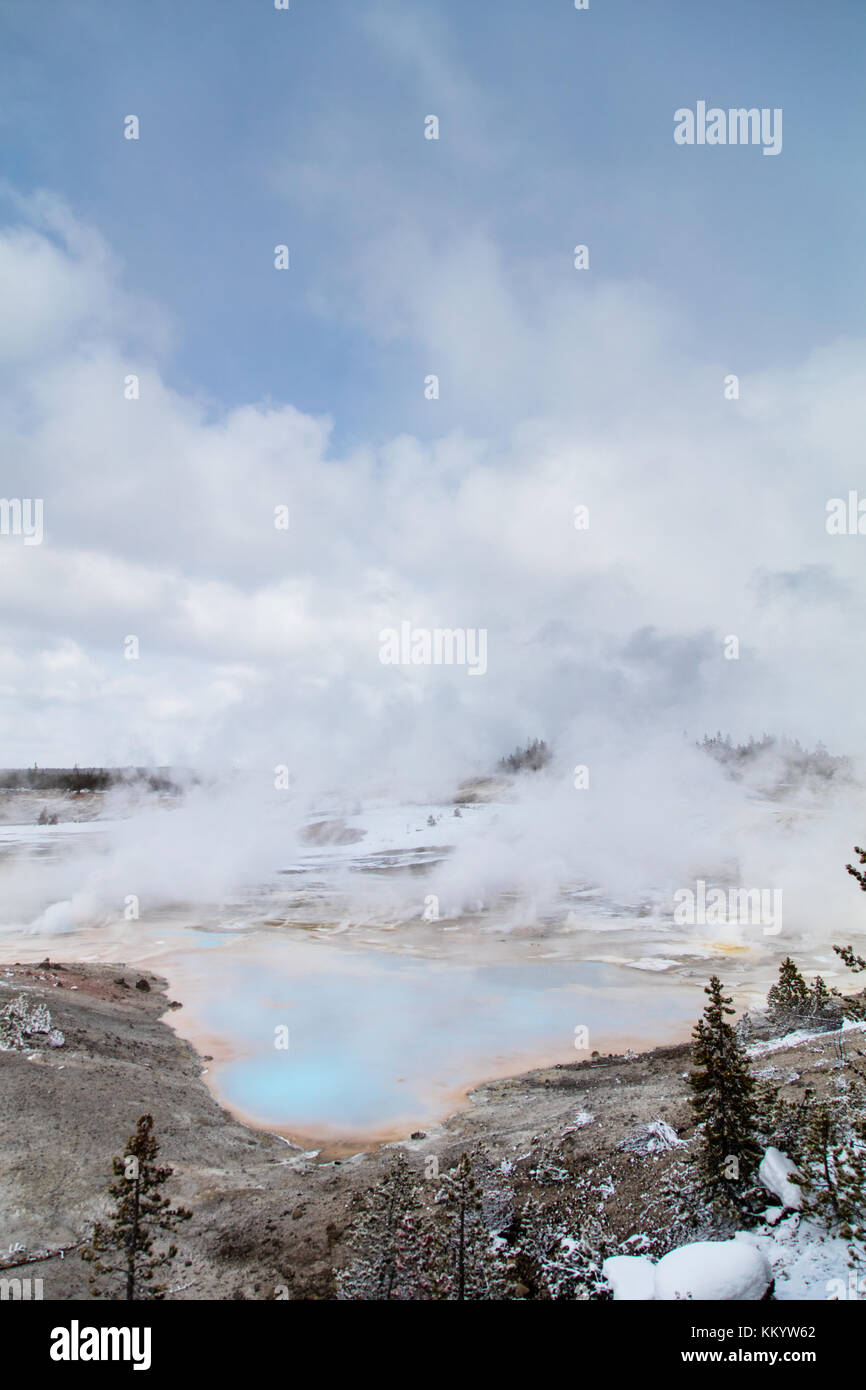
[[268, 1217]]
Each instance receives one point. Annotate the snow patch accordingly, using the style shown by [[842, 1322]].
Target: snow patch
[[631, 1277], [775, 1172]]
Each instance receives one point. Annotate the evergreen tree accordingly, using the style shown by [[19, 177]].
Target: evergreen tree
[[561, 1245], [858, 873], [850, 1163], [856, 1007], [790, 994], [832, 1156], [140, 1211], [467, 1266], [853, 962], [723, 1103], [382, 1239], [819, 996]]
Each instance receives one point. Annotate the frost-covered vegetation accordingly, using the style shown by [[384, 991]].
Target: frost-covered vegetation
[[20, 1021]]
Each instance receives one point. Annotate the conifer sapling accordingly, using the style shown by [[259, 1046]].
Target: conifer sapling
[[140, 1211]]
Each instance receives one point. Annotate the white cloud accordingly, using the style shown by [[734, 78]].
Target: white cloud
[[159, 522]]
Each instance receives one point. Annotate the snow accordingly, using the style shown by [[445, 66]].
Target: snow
[[652, 963], [775, 1173], [706, 1270], [800, 1036], [632, 1277], [723, 1270], [34, 834], [402, 831], [806, 1263]]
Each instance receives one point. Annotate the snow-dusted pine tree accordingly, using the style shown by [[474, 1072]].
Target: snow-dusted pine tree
[[386, 1238], [789, 996], [467, 1264], [723, 1103], [832, 1156], [560, 1247], [856, 1007], [858, 873], [820, 998]]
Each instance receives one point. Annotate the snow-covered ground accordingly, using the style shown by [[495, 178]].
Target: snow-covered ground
[[803, 1261]]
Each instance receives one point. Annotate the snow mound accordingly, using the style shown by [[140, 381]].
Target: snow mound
[[631, 1277], [723, 1270], [707, 1270], [775, 1173]]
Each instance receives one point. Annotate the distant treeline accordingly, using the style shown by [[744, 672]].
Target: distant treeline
[[532, 758], [86, 779], [796, 761]]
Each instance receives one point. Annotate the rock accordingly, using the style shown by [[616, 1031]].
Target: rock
[[56, 1038], [142, 985], [418, 1134]]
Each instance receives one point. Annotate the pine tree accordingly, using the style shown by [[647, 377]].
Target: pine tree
[[856, 1007], [858, 873], [832, 1156], [561, 1245], [467, 1267], [819, 996], [790, 994], [383, 1237], [723, 1103], [140, 1211], [850, 1161], [853, 962]]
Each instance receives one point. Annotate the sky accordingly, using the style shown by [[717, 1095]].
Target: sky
[[304, 388]]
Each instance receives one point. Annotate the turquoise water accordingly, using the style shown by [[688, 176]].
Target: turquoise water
[[375, 1043]]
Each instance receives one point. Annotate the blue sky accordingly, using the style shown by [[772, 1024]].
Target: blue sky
[[556, 128]]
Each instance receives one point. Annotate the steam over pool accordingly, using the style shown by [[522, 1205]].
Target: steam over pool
[[352, 975]]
